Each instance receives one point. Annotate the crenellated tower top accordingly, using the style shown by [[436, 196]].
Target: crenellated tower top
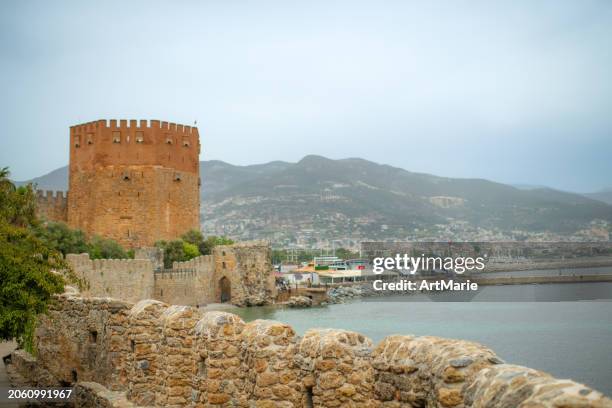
[[134, 142]]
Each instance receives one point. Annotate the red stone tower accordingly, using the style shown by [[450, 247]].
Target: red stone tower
[[136, 182]]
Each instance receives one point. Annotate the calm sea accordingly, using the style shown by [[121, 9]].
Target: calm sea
[[568, 339]]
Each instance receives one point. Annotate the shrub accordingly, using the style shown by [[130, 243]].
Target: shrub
[[27, 265]]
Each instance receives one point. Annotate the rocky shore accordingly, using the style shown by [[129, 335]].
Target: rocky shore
[[299, 301], [342, 294]]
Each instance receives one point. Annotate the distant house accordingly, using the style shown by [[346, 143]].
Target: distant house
[[301, 276]]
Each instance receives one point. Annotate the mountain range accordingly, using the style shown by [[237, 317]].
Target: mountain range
[[319, 198]]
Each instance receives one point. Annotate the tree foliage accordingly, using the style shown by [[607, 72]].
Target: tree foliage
[[72, 241], [27, 264], [191, 244], [212, 241], [59, 236], [174, 251], [190, 250], [205, 245], [103, 248]]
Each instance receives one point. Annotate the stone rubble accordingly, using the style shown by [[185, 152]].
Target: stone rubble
[[341, 294], [299, 301]]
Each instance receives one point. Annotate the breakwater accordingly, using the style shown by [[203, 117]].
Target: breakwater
[[482, 279]]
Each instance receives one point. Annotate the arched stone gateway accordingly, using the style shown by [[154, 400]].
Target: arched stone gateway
[[225, 290]]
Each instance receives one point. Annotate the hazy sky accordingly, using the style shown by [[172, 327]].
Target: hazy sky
[[513, 91]]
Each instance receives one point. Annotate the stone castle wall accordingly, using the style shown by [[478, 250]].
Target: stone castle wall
[[189, 283], [125, 279], [150, 354], [52, 206], [245, 266]]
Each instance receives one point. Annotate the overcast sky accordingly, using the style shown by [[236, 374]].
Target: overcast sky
[[512, 91]]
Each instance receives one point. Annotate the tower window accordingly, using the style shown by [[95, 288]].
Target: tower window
[[169, 139], [126, 176], [77, 141], [116, 137], [177, 177], [139, 137], [186, 142], [90, 138]]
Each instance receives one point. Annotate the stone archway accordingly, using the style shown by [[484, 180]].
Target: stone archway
[[225, 290]]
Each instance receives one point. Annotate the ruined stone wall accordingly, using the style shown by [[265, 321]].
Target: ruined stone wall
[[154, 355], [135, 182], [83, 341], [248, 267], [52, 207], [126, 279]]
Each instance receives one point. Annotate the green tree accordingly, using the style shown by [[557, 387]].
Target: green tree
[[59, 236], [177, 251], [345, 254], [212, 241], [17, 204], [190, 250], [196, 238], [103, 248], [27, 265], [173, 251]]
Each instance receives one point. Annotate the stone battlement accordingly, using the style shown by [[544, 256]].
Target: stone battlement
[[151, 354], [134, 143], [128, 279], [140, 124], [194, 263], [50, 195], [52, 205]]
